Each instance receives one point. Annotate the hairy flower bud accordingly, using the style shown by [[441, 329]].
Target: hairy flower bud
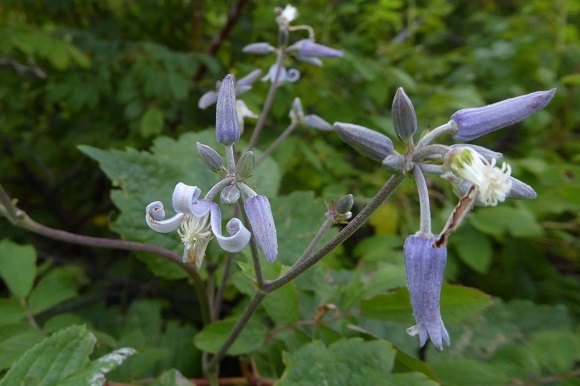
[[366, 141], [425, 266], [474, 122], [227, 127], [404, 118], [263, 228], [210, 157], [245, 165]]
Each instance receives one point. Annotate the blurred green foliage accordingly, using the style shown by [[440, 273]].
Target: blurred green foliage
[[126, 75]]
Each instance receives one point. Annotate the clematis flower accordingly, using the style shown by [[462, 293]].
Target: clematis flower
[[474, 122], [425, 266], [260, 216], [291, 75], [493, 183], [310, 52], [196, 222]]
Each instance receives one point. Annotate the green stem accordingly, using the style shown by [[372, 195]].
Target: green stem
[[277, 142], [423, 191], [255, 253], [236, 330], [346, 232], [323, 229], [268, 102]]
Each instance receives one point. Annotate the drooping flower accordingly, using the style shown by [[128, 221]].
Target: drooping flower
[[196, 221], [264, 230], [474, 122], [311, 52], [425, 266], [493, 183]]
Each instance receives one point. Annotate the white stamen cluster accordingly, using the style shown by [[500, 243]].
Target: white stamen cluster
[[195, 233], [493, 183]]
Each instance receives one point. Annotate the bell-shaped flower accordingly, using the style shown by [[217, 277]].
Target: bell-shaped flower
[[474, 122], [195, 221], [366, 141], [310, 52], [291, 75], [425, 266], [262, 222], [227, 124], [493, 184]]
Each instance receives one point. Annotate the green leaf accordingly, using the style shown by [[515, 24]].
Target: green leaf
[[14, 347], [11, 311], [53, 359], [461, 372], [346, 362], [282, 305], [556, 351], [457, 304], [473, 247], [211, 338], [94, 374], [499, 220], [59, 285], [17, 267], [151, 122]]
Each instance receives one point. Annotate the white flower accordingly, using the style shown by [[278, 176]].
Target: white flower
[[493, 183], [244, 112], [289, 13]]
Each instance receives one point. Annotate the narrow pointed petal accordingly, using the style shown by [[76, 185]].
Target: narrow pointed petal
[[207, 99], [227, 127], [521, 190], [239, 236], [309, 49], [315, 122], [404, 118], [261, 48], [184, 197], [249, 79], [366, 141], [474, 122], [155, 218], [260, 216], [425, 266]]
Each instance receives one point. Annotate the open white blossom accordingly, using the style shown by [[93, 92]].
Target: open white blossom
[[493, 183]]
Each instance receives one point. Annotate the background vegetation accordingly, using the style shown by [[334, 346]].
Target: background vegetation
[[126, 75]]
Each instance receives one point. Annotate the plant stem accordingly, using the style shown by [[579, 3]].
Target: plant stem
[[236, 330], [323, 229], [425, 226], [20, 219], [430, 136], [346, 232], [268, 103], [277, 142], [255, 253]]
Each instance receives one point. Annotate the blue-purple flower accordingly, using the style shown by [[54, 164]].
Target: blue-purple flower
[[366, 141], [425, 266], [474, 122], [311, 52], [262, 222], [196, 221]]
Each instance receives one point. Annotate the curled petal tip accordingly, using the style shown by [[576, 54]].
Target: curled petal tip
[[155, 218], [239, 236]]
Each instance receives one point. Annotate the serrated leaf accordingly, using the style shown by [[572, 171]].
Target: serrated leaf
[[346, 362], [15, 346], [94, 374], [53, 359], [211, 338], [17, 267], [457, 304]]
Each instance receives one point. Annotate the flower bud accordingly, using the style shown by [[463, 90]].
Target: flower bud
[[315, 122], [261, 48], [404, 118], [263, 228], [230, 195], [474, 122], [344, 204], [394, 163], [227, 127], [366, 141], [296, 112], [210, 157], [245, 165], [425, 266]]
